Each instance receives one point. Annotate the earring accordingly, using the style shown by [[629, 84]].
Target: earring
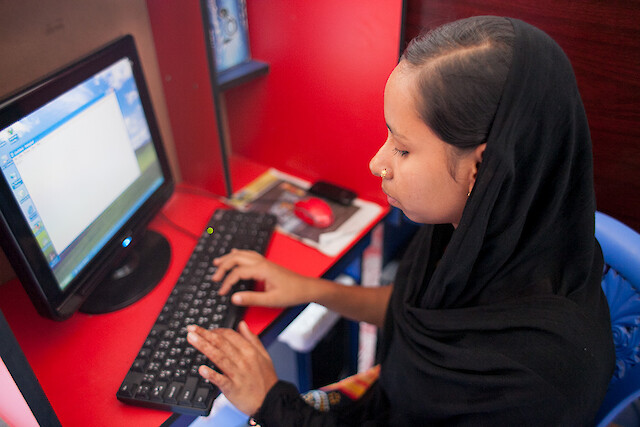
[[469, 193], [384, 173]]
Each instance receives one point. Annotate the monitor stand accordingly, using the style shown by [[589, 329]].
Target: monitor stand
[[138, 274]]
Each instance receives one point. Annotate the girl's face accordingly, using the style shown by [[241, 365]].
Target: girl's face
[[419, 164]]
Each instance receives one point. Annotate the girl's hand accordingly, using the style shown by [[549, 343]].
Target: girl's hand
[[247, 370], [282, 287]]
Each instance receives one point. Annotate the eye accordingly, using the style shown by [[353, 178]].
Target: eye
[[401, 152]]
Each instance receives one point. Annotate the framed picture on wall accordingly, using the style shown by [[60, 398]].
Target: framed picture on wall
[[229, 32]]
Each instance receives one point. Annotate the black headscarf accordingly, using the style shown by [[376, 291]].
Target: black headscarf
[[503, 321]]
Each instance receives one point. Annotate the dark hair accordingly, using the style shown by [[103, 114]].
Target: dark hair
[[463, 66]]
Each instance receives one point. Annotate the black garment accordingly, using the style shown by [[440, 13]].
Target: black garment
[[283, 407], [508, 324], [512, 328]]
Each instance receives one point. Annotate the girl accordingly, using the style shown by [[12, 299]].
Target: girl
[[496, 316]]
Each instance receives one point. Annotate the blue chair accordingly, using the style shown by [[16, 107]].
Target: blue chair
[[621, 284]]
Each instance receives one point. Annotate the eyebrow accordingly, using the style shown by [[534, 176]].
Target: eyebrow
[[397, 135]]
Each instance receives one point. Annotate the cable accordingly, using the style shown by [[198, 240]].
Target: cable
[[178, 227]]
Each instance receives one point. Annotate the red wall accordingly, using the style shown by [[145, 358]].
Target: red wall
[[319, 112], [180, 47]]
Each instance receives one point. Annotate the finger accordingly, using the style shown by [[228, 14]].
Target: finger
[[237, 343], [220, 380], [222, 339], [246, 343], [227, 263], [217, 350], [231, 279], [241, 273], [252, 338], [252, 298], [219, 359], [227, 341], [224, 264], [226, 287], [233, 257], [204, 344]]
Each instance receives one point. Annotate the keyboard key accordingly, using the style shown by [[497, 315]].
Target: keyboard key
[[148, 379], [143, 392], [127, 389], [138, 365], [171, 395], [186, 395], [200, 399], [157, 392]]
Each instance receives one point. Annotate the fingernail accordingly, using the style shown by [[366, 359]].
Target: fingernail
[[204, 371], [191, 328], [192, 337], [236, 299]]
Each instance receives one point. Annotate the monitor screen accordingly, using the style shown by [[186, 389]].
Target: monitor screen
[[83, 172]]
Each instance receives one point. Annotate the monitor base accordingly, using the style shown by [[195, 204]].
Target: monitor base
[[138, 274]]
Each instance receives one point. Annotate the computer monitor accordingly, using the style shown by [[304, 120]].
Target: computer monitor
[[23, 401], [83, 173]]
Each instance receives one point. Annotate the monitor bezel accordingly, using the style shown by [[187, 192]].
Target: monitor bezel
[[18, 241]]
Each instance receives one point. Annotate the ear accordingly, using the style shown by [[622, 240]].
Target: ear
[[476, 158]]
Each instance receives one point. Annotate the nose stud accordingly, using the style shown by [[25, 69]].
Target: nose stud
[[384, 173]]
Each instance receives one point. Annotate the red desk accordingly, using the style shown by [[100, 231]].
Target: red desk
[[81, 362]]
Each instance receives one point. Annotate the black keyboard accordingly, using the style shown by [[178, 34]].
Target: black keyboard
[[164, 374]]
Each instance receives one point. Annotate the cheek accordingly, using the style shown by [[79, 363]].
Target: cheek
[[419, 180], [412, 185], [429, 194]]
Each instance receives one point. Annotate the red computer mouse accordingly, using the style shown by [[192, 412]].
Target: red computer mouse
[[314, 211]]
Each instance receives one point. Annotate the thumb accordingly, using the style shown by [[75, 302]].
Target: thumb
[[253, 339], [246, 298]]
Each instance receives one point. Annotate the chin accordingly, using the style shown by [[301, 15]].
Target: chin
[[415, 217], [425, 219]]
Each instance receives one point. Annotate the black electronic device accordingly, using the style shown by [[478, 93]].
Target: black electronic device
[[84, 171], [333, 192], [164, 374]]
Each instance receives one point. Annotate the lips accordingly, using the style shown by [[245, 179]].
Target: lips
[[390, 199]]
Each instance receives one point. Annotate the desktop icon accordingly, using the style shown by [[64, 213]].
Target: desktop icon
[[13, 137], [32, 213], [16, 184], [36, 228], [21, 195]]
